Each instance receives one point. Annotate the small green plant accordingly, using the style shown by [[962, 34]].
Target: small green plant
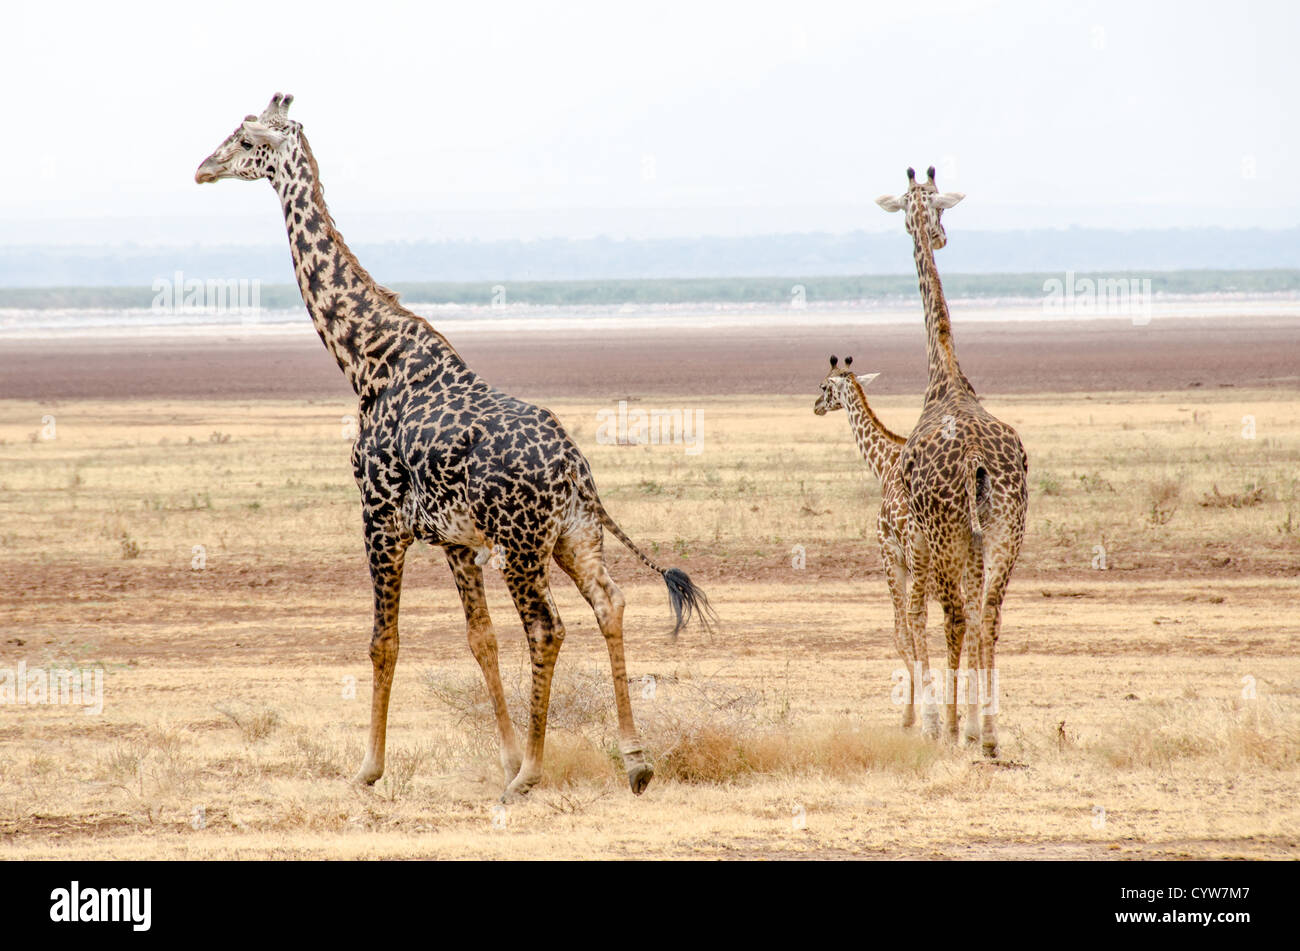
[[130, 547]]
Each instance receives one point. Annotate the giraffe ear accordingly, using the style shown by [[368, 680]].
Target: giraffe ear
[[946, 200], [262, 134], [890, 203], [865, 378]]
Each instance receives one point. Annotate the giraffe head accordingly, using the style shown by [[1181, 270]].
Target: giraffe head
[[923, 206], [253, 150], [835, 387]]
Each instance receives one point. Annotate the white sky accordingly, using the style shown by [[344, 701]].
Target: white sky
[[491, 120]]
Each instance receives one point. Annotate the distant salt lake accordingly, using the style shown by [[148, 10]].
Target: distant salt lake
[[457, 319]]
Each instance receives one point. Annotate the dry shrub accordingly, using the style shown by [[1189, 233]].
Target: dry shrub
[[726, 753], [572, 759], [1164, 500], [255, 722], [695, 730], [1255, 495], [316, 759], [401, 766], [1237, 733]]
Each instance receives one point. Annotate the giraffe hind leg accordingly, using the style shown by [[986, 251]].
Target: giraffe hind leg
[[973, 596], [954, 628], [387, 553], [1000, 551], [582, 559]]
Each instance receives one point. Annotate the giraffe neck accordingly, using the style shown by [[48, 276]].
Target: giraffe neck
[[879, 447], [944, 373], [362, 324]]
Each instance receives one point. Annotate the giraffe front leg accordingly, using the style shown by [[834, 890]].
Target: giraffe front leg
[[545, 634], [923, 682], [483, 645], [896, 577], [387, 552]]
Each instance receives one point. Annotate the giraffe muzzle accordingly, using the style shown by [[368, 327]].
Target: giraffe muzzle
[[207, 172]]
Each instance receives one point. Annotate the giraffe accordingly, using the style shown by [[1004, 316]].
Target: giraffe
[[445, 458], [881, 448], [965, 477]]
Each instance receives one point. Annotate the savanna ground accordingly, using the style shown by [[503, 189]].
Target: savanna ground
[[1151, 709]]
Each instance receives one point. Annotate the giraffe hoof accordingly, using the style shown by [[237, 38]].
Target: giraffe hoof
[[639, 778], [511, 768], [368, 773], [991, 750], [519, 787]]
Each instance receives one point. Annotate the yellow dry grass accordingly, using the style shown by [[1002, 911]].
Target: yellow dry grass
[[207, 557]]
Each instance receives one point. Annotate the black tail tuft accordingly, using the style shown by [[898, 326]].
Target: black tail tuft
[[688, 600]]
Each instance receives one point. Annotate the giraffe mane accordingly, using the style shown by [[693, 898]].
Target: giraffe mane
[[388, 295], [943, 329], [318, 197], [871, 414]]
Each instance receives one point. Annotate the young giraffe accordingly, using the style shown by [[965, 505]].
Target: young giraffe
[[964, 473], [881, 449], [443, 457]]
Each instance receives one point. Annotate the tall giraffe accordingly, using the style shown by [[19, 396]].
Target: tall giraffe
[[445, 458], [881, 449], [964, 472]]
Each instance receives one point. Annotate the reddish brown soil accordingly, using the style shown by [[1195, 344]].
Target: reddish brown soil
[[1061, 357]]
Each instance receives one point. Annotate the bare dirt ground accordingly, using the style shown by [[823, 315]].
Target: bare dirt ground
[[205, 554], [1019, 357]]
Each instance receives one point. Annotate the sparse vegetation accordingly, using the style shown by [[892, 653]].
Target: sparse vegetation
[[226, 732], [1164, 501]]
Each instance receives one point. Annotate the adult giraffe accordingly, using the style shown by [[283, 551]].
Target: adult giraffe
[[443, 457], [964, 472]]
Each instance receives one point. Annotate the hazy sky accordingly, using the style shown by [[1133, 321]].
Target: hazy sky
[[490, 120]]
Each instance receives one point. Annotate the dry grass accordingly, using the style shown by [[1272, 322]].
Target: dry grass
[[695, 730], [1243, 734], [230, 729]]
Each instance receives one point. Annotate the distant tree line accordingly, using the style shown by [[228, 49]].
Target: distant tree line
[[757, 290]]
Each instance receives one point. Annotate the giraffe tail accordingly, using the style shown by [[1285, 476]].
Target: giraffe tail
[[684, 596], [977, 488]]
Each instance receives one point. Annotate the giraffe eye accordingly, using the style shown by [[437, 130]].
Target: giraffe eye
[[246, 144]]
